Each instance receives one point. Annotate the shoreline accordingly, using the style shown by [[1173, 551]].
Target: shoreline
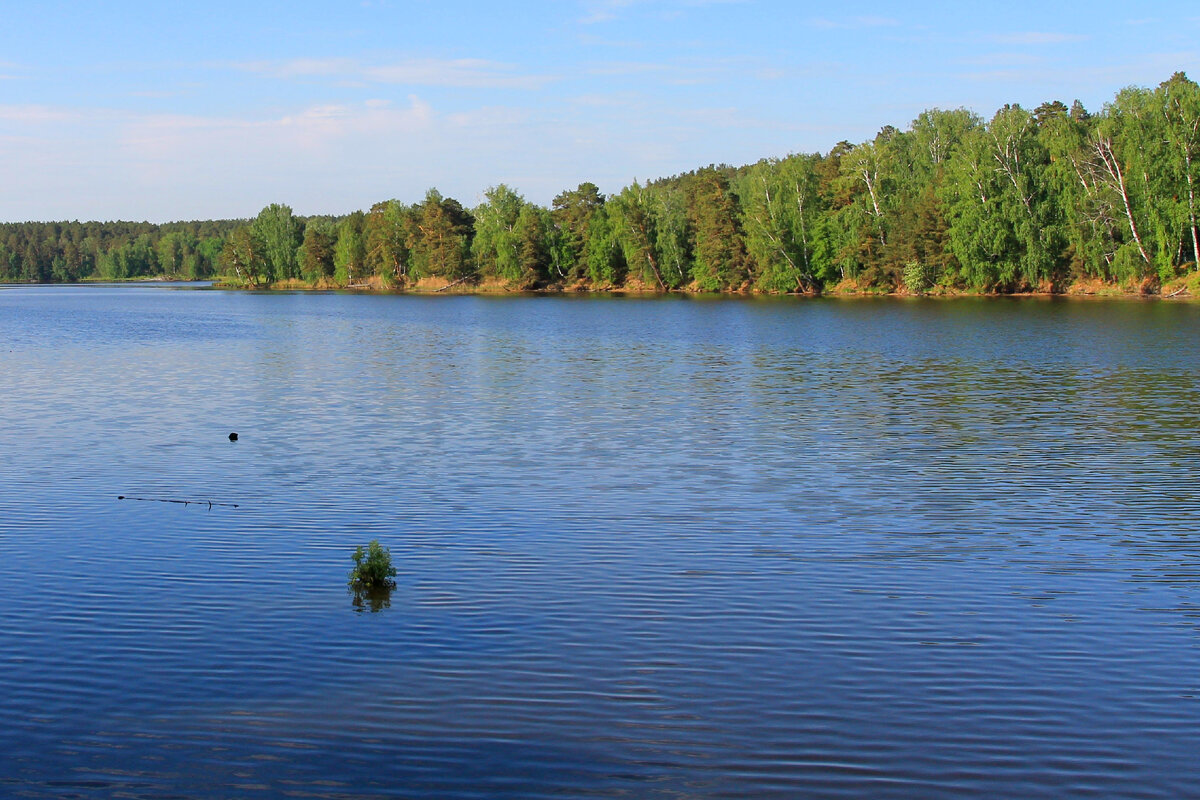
[[1186, 288], [1181, 290]]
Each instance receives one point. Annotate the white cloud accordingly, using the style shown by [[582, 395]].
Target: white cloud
[[604, 10], [853, 23], [1003, 59], [1148, 69], [35, 114], [464, 73], [116, 164], [301, 67], [875, 22], [618, 100], [335, 157], [308, 130], [469, 73], [597, 11], [618, 68], [1037, 38]]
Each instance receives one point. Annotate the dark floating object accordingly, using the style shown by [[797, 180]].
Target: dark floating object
[[208, 503], [233, 437]]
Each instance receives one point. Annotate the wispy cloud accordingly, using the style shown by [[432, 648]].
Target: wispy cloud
[[1037, 38], [622, 100], [854, 23], [326, 158], [170, 136], [603, 10], [463, 73], [681, 72], [1004, 59], [300, 67], [333, 157], [596, 11], [9, 70], [1012, 77], [591, 40], [620, 68], [35, 114], [1148, 69]]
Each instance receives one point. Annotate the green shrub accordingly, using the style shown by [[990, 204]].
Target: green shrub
[[918, 277], [373, 568]]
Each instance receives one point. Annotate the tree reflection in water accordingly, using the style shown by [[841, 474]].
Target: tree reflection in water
[[374, 599]]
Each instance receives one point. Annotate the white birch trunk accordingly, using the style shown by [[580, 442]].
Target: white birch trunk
[[1104, 149]]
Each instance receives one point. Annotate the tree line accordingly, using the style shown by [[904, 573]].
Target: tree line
[[66, 252], [1027, 200]]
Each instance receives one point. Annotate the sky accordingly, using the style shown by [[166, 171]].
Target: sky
[[161, 111]]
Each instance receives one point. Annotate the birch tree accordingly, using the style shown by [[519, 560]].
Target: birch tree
[[1180, 101]]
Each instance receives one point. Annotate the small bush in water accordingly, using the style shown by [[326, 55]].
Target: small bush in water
[[373, 568]]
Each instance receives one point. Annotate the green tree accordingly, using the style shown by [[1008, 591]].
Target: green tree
[[860, 208], [1127, 145], [316, 254], [388, 254], [917, 225], [279, 235], [1180, 101], [496, 246], [439, 237], [242, 254], [534, 232], [780, 205], [978, 236], [602, 252], [350, 251], [634, 226], [719, 250], [172, 250], [572, 214], [668, 205], [1076, 187], [513, 238], [1022, 161], [208, 252]]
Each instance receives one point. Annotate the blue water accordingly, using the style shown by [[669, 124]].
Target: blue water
[[647, 548]]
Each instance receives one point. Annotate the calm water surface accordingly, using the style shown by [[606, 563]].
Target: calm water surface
[[648, 548]]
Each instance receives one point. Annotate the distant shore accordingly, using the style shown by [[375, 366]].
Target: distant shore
[[1186, 288]]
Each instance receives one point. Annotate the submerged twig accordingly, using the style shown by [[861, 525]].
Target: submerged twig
[[208, 503]]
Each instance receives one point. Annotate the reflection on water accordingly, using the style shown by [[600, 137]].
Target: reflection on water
[[374, 599], [652, 548]]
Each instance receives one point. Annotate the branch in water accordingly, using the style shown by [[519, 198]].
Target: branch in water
[[208, 503]]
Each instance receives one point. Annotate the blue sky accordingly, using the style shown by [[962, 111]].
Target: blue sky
[[159, 111]]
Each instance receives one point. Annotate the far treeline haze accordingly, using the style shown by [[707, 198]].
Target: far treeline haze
[[1050, 199]]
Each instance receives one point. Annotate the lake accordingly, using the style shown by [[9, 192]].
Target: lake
[[647, 547]]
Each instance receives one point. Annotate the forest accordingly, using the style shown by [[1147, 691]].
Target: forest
[[1052, 199]]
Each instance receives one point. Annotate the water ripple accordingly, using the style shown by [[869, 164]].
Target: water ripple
[[646, 548]]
